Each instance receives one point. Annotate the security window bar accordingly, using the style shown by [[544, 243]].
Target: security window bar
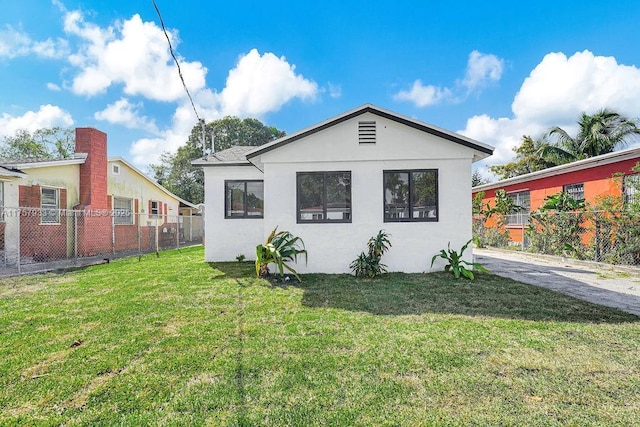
[[50, 206], [411, 195], [122, 211], [244, 199], [323, 197], [576, 191], [631, 185], [367, 132], [520, 214]]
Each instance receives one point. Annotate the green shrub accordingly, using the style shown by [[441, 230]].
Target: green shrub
[[279, 248], [456, 264], [368, 264]]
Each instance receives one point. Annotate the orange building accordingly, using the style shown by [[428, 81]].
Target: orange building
[[608, 174]]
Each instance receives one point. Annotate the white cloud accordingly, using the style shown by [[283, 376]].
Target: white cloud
[[482, 69], [259, 84], [124, 113], [53, 87], [132, 53], [47, 116], [422, 96], [335, 90], [555, 93], [15, 43], [263, 83]]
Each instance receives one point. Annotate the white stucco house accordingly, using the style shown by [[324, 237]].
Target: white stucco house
[[335, 184]]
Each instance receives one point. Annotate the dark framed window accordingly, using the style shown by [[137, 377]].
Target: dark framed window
[[244, 199], [323, 196], [522, 202], [576, 191], [410, 195]]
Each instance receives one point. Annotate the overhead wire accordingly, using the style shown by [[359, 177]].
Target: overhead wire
[[176, 60]]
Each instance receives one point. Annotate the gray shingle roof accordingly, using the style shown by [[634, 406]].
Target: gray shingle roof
[[235, 154]]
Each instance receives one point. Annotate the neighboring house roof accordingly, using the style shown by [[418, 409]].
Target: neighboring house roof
[[78, 159], [11, 172], [144, 176], [591, 162], [230, 157], [484, 149]]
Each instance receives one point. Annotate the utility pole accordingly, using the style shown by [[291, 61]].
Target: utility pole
[[204, 141]]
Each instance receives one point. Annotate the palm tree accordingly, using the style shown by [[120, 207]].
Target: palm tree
[[598, 134]]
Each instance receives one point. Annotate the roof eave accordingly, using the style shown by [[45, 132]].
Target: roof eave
[[591, 162]]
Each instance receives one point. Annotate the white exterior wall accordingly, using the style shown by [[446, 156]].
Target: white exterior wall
[[332, 246], [227, 238]]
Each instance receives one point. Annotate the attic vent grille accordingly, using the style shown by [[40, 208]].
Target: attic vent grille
[[367, 132]]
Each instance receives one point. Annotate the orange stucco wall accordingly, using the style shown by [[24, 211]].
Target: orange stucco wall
[[598, 181]]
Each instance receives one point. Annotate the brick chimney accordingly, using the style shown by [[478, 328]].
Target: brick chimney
[[93, 173]]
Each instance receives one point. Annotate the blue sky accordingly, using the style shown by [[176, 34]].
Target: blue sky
[[493, 70]]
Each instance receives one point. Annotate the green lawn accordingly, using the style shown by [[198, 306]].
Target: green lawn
[[175, 341]]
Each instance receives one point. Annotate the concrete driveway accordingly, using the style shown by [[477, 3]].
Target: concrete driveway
[[603, 284]]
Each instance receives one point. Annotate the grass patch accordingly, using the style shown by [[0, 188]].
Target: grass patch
[[173, 340]]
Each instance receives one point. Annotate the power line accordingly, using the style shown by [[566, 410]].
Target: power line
[[176, 60]]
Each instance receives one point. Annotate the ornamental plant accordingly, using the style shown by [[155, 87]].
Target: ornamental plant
[[368, 264], [280, 248], [456, 264]]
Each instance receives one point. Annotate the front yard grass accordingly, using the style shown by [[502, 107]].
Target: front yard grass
[[175, 341]]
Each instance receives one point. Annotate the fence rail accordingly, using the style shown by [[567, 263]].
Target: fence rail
[[609, 237], [33, 239]]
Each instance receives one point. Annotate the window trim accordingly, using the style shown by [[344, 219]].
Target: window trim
[[521, 217], [325, 219], [115, 169], [244, 199], [158, 208], [410, 201], [55, 207], [131, 207]]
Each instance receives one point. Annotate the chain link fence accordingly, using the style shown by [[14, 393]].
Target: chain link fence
[[34, 240], [609, 237]]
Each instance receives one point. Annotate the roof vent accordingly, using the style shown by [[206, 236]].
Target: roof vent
[[367, 132]]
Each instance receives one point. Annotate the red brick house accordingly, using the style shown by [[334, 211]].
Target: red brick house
[[83, 206]]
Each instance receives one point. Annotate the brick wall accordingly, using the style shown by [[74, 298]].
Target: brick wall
[[42, 242], [93, 173]]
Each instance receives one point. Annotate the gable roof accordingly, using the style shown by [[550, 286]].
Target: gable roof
[[591, 162], [144, 176], [483, 149]]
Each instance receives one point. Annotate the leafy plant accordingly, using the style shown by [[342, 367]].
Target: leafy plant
[[240, 258], [368, 264], [456, 264], [279, 248]]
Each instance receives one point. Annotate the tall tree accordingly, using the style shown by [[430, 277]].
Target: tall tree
[[46, 143], [600, 133], [528, 159], [175, 171]]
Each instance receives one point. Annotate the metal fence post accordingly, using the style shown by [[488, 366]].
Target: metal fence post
[[75, 236], [139, 218]]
